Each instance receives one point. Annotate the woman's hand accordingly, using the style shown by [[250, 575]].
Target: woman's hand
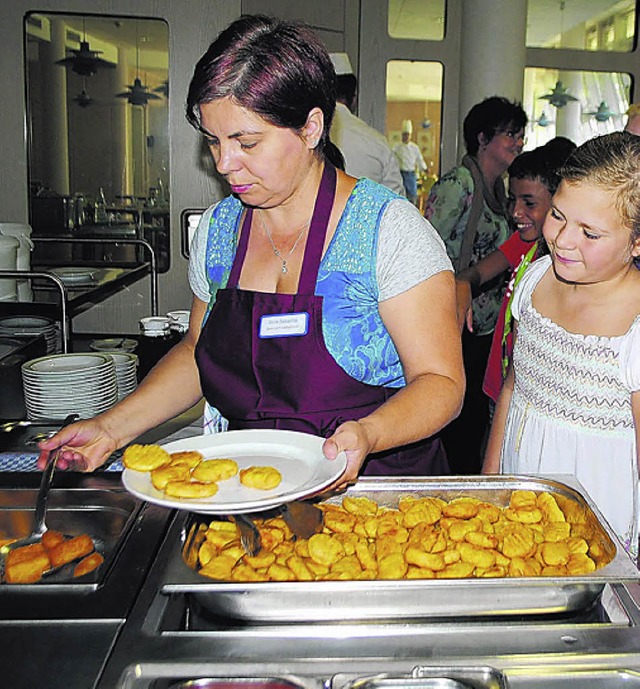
[[86, 446], [464, 300], [352, 439]]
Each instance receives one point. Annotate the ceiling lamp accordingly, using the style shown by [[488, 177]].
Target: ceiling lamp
[[85, 61], [83, 99], [602, 113], [543, 120], [559, 96], [163, 89], [137, 93]]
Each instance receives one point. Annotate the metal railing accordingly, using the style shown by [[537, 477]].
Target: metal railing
[[65, 324]]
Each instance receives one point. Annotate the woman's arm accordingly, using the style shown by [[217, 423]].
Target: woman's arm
[[170, 388], [469, 281], [422, 325]]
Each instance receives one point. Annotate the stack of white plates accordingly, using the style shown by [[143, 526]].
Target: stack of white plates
[[62, 384], [126, 372], [19, 326]]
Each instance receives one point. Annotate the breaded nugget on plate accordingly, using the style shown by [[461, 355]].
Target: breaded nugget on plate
[[215, 470], [145, 457], [189, 458], [190, 490], [169, 472], [260, 477]]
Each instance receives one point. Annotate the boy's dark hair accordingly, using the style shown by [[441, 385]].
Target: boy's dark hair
[[543, 163]]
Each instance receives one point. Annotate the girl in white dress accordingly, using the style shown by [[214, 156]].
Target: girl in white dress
[[571, 402]]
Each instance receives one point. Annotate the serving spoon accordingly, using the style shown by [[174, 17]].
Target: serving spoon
[[39, 520]]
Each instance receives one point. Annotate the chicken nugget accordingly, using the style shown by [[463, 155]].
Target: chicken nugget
[[457, 570], [168, 472], [386, 545], [69, 550], [459, 529], [462, 508], [580, 564], [244, 572], [527, 514], [488, 512], [550, 508], [478, 557], [392, 566], [364, 553], [145, 457], [219, 567], [555, 553], [190, 490], [556, 531], [425, 510], [88, 564], [213, 470], [339, 521], [495, 572], [188, 458], [278, 572], [360, 506], [262, 560], [518, 544], [261, 477], [324, 549], [349, 541], [554, 571], [577, 545], [419, 573], [299, 568], [432, 561], [349, 567], [522, 498], [481, 539], [206, 552]]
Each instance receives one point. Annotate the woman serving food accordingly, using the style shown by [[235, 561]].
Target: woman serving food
[[322, 303]]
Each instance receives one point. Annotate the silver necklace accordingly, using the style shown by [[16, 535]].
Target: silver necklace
[[277, 251]]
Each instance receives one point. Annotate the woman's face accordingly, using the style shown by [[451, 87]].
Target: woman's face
[[263, 164], [529, 203], [586, 237], [503, 148]]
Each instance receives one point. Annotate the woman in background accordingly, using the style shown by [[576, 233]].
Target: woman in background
[[467, 206], [533, 179]]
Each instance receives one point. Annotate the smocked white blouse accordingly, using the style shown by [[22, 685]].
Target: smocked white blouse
[[571, 412]]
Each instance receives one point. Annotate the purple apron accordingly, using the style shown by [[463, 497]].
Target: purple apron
[[291, 381]]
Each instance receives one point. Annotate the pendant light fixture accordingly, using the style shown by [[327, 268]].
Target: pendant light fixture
[[85, 61], [83, 99], [559, 96], [138, 94], [601, 113]]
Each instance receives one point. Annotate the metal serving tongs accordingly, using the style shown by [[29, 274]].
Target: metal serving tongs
[[39, 523]]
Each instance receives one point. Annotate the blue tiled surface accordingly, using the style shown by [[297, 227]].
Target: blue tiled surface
[[20, 461]]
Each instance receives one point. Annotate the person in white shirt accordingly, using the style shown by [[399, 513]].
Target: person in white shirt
[[366, 151], [411, 162]]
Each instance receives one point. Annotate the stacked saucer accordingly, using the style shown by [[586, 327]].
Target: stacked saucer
[[126, 372], [21, 326], [61, 384]]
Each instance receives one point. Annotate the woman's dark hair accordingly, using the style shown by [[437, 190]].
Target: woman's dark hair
[[543, 163], [492, 115], [277, 69]]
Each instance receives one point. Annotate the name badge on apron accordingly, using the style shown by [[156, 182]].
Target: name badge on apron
[[284, 325]]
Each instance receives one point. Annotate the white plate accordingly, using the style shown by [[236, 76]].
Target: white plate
[[74, 275], [67, 363], [298, 457]]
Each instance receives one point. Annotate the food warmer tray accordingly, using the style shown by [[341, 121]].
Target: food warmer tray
[[320, 601]]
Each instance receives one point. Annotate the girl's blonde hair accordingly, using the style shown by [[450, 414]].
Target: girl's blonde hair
[[611, 162]]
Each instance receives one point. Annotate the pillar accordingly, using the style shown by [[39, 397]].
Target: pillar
[[492, 52], [56, 124]]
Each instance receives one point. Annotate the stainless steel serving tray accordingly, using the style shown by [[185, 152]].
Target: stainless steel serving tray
[[105, 515], [434, 598]]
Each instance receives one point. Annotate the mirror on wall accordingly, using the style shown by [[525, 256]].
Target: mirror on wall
[[97, 115]]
